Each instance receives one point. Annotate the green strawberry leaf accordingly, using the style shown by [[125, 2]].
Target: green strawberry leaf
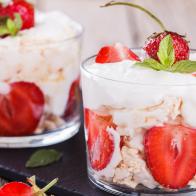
[[18, 21], [10, 26], [166, 52], [184, 66], [151, 63], [43, 157]]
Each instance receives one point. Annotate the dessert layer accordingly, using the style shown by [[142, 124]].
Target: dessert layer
[[139, 88]]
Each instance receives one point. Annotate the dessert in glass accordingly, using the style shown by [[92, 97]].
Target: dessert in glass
[[139, 114], [39, 76]]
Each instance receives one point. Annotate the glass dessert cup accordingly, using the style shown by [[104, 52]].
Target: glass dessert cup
[[53, 66], [117, 116]]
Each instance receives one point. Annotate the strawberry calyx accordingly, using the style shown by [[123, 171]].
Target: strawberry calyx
[[9, 26], [36, 190], [16, 16]]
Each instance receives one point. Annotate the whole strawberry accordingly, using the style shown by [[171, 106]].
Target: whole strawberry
[[15, 16], [181, 46], [25, 10], [22, 189]]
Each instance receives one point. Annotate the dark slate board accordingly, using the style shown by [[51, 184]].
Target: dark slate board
[[71, 170]]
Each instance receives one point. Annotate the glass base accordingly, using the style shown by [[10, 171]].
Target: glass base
[[139, 191], [49, 138]]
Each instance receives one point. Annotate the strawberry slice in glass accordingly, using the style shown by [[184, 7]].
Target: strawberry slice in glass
[[20, 109], [100, 143]]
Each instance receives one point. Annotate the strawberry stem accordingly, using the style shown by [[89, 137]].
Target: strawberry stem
[[111, 3], [51, 184]]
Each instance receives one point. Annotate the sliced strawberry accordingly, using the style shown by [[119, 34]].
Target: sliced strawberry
[[100, 143], [21, 109], [116, 53], [73, 103], [22, 7], [123, 141], [171, 155]]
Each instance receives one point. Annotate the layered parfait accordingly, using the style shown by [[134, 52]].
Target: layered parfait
[[39, 69], [139, 109]]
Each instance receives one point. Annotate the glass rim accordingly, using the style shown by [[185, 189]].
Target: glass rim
[[84, 63]]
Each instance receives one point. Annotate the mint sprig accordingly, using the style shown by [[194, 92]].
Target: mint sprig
[[151, 63], [166, 55], [10, 26]]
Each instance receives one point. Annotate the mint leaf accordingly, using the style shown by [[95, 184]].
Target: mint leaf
[[166, 52], [43, 157], [11, 27], [151, 63], [184, 66], [18, 21]]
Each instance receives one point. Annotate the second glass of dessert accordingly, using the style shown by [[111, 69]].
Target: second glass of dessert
[[39, 76]]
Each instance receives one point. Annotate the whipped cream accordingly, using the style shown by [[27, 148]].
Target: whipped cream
[[138, 88], [46, 55]]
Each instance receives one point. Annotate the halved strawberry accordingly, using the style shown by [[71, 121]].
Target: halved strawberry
[[20, 109], [22, 189], [73, 103], [116, 53], [171, 155], [99, 142]]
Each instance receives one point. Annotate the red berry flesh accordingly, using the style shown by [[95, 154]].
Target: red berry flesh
[[116, 53], [171, 155], [100, 143]]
